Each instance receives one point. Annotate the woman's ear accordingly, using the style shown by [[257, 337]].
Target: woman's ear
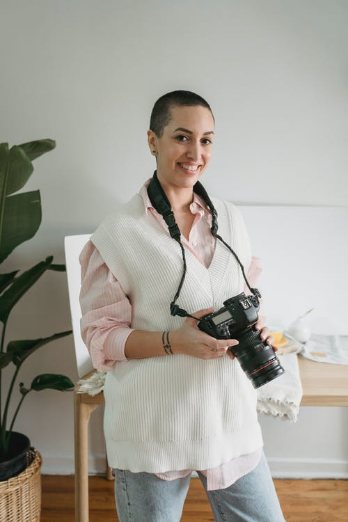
[[152, 141]]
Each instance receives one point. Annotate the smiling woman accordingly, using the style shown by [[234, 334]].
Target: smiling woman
[[183, 150], [176, 399]]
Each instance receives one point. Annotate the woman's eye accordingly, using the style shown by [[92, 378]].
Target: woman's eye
[[184, 139]]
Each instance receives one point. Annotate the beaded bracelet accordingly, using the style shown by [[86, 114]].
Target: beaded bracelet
[[167, 347]]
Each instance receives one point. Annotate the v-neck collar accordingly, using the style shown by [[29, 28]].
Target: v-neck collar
[[210, 277]]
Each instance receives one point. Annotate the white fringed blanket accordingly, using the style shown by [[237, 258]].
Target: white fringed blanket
[[282, 396]]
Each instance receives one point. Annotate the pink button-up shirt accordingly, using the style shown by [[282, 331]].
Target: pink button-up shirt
[[106, 319]]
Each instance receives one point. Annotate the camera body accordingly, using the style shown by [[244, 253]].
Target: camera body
[[236, 320], [238, 314]]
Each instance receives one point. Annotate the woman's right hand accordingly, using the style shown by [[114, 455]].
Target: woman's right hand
[[190, 340]]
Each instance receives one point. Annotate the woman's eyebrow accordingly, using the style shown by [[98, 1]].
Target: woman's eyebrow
[[182, 129]]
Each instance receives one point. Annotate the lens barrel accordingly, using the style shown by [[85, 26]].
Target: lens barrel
[[257, 358]]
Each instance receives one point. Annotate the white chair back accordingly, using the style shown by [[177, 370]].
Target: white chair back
[[73, 246]]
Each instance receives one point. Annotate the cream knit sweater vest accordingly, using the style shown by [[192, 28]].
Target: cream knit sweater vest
[[174, 412]]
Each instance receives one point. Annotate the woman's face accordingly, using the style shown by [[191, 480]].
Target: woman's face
[[185, 147]]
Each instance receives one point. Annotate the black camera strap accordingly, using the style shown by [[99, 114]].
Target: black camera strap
[[162, 204]]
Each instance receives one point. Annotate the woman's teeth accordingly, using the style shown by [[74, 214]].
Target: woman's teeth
[[192, 168]]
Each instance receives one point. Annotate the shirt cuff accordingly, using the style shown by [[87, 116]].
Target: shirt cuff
[[114, 344]]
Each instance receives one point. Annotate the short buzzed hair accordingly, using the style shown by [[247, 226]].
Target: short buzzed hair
[[161, 116]]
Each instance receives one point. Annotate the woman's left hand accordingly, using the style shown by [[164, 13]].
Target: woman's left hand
[[264, 334]]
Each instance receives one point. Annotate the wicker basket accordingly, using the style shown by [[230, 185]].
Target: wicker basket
[[20, 496]]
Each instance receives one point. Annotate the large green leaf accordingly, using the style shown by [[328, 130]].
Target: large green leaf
[[6, 280], [20, 168], [20, 286], [57, 268], [6, 359], [22, 349], [34, 149], [52, 381], [21, 220]]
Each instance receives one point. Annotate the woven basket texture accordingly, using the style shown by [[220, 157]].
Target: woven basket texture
[[20, 496]]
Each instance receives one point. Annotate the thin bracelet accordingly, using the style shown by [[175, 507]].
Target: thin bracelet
[[167, 347]]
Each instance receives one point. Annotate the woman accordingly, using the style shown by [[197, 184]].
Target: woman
[[176, 400]]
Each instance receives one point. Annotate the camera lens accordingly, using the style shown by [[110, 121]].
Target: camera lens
[[257, 358], [267, 373]]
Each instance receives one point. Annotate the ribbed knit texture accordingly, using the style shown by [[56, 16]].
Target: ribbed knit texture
[[174, 412]]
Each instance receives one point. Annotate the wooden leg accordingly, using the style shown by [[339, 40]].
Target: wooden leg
[[82, 415], [109, 475]]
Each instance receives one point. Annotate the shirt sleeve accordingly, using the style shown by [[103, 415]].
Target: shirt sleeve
[[254, 273], [106, 311]]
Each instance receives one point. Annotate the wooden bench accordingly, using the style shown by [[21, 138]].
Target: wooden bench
[[323, 384]]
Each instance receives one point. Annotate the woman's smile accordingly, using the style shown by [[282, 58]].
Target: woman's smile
[[189, 167]]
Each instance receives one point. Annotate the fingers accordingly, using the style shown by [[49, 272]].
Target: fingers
[[218, 348], [264, 334], [260, 322], [199, 344]]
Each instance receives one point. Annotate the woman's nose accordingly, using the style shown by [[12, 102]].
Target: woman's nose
[[194, 151]]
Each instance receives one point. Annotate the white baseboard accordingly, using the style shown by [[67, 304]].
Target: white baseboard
[[291, 468], [66, 466], [308, 469]]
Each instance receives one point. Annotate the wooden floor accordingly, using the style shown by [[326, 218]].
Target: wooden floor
[[301, 500]]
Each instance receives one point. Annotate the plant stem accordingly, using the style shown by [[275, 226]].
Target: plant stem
[[7, 441], [3, 337], [1, 351], [4, 419], [3, 197]]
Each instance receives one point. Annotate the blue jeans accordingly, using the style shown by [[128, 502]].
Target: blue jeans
[[143, 497]]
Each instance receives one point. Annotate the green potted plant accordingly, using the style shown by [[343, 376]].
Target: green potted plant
[[20, 218]]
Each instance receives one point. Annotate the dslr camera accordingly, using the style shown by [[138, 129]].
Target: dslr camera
[[236, 320]]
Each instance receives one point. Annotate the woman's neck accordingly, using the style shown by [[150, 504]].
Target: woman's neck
[[180, 200]]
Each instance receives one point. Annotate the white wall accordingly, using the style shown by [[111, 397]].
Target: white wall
[[87, 73]]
